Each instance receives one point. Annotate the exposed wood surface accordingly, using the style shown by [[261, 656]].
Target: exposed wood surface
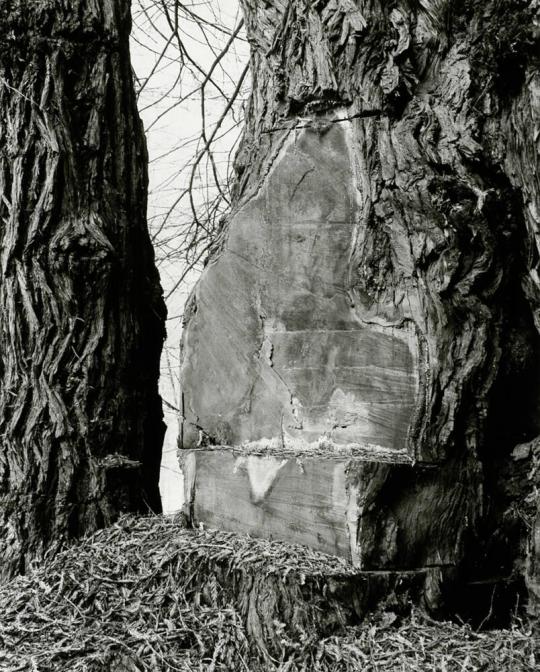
[[81, 313], [276, 347], [299, 502]]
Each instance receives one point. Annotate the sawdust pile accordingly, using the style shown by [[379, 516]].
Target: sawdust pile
[[146, 595]]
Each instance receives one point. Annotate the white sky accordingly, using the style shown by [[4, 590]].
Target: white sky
[[173, 129]]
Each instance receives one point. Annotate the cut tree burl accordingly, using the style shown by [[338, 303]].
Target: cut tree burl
[[369, 313]]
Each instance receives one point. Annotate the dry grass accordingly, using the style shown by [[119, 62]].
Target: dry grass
[[131, 598]]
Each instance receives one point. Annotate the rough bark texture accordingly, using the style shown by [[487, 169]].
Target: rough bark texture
[[81, 311], [431, 269]]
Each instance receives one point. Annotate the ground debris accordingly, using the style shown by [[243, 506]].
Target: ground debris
[[146, 594]]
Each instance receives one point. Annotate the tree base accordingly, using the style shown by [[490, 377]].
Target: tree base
[[287, 593]]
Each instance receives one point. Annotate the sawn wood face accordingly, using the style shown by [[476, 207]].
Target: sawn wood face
[[377, 515], [275, 346]]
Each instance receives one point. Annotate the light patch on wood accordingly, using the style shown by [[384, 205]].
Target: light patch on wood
[[262, 472], [345, 409]]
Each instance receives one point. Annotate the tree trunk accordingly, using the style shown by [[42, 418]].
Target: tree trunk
[[81, 309], [376, 287]]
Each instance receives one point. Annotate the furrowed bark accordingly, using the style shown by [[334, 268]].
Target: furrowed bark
[[438, 102], [81, 308]]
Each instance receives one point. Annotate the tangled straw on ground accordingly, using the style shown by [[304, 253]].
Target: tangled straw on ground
[[146, 595]]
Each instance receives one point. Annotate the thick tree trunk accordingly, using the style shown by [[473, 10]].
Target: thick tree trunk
[[377, 285], [81, 309]]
